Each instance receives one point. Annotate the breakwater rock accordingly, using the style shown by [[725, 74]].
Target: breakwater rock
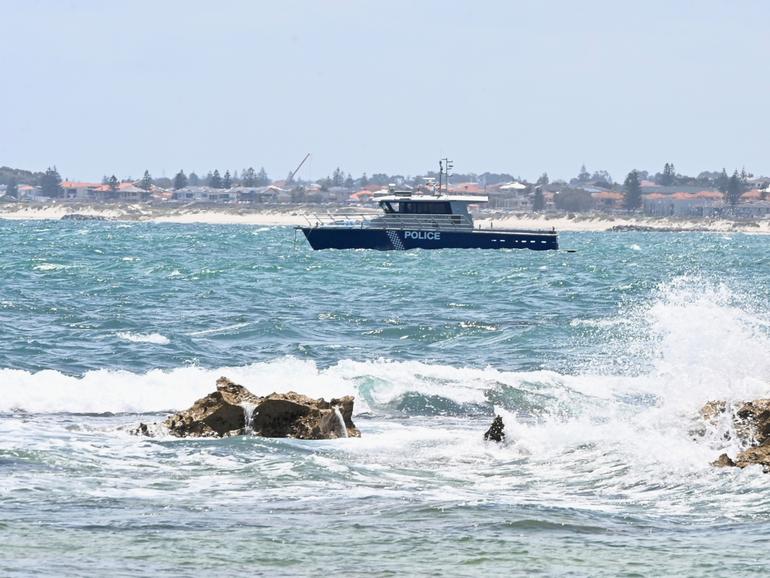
[[234, 410], [82, 217], [495, 432], [750, 423]]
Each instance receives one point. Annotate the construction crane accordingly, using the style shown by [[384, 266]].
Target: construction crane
[[295, 171]]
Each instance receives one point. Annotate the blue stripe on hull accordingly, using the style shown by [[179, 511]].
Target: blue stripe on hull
[[388, 240]]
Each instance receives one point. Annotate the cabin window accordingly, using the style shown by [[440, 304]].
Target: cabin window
[[386, 206], [424, 208]]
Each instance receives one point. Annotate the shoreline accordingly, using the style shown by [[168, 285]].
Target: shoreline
[[292, 215]]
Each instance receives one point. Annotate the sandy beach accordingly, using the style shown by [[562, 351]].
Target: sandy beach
[[290, 215]]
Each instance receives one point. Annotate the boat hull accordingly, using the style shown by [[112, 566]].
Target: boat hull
[[402, 240]]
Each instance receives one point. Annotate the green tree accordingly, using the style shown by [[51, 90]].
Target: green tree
[[573, 200], [633, 191], [722, 181], [262, 179], [113, 183], [338, 178], [735, 188], [583, 176], [180, 180], [668, 176], [215, 181], [363, 181], [543, 180], [227, 182], [193, 180], [50, 183], [602, 179], [249, 178], [349, 182], [12, 189], [538, 201], [146, 182]]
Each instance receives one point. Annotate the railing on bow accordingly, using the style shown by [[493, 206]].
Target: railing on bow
[[398, 221]]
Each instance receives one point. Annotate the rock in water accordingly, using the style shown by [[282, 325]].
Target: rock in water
[[755, 455], [224, 413], [495, 431], [756, 417], [216, 415], [294, 415], [751, 424], [723, 461]]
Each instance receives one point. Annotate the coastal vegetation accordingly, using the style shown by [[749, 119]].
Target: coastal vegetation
[[663, 193]]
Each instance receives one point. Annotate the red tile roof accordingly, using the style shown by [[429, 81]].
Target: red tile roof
[[79, 185], [607, 196]]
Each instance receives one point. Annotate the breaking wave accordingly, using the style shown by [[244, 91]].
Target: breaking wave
[[155, 338], [692, 343]]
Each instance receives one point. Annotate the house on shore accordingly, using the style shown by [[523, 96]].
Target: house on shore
[[81, 191], [700, 203], [512, 195], [608, 200], [250, 195]]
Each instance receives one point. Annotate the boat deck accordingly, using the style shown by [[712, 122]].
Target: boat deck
[[402, 222]]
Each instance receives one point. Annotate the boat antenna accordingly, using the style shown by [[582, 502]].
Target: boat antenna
[[447, 165]]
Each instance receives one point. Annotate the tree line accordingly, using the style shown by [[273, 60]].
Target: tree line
[[731, 186]]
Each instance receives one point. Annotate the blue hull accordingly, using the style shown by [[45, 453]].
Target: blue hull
[[400, 240]]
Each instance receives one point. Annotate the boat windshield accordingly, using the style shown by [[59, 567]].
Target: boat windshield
[[425, 207]]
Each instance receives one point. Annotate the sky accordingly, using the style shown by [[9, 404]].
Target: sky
[[523, 87]]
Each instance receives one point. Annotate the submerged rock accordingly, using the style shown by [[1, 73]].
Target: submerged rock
[[495, 432], [234, 410], [750, 423]]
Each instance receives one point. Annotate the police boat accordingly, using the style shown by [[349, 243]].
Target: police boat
[[426, 219]]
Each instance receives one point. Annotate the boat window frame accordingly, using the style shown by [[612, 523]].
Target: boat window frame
[[420, 207]]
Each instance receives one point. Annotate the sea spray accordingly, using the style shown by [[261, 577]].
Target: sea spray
[[601, 362], [343, 430], [693, 342], [248, 416]]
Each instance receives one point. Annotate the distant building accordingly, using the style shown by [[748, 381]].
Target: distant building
[[469, 188], [514, 196], [130, 193], [79, 191], [683, 204], [266, 194], [608, 200], [29, 193]]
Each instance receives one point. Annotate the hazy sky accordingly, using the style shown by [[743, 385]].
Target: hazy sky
[[102, 87]]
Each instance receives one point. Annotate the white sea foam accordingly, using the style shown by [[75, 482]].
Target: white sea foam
[[218, 330], [702, 343], [155, 338], [50, 267]]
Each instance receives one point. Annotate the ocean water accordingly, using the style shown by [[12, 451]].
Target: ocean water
[[598, 361]]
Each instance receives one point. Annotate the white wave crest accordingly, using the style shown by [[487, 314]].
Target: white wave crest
[[155, 338], [50, 267], [703, 342]]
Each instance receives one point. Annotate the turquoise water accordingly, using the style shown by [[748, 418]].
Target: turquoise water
[[598, 360]]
